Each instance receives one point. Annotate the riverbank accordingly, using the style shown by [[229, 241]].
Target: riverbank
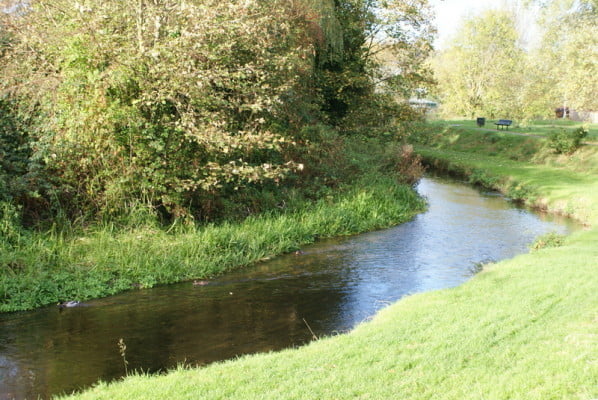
[[48, 268], [521, 329], [523, 168]]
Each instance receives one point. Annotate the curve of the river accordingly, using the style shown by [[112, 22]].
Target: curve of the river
[[332, 286]]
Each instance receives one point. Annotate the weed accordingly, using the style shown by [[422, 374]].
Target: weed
[[549, 240], [409, 165], [313, 335], [10, 224]]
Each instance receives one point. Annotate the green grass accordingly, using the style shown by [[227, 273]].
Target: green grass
[[48, 268], [535, 127], [476, 141], [525, 328], [523, 168], [537, 151], [545, 127]]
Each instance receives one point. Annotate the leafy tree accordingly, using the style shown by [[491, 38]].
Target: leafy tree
[[481, 72], [156, 100], [486, 72], [567, 57], [359, 88]]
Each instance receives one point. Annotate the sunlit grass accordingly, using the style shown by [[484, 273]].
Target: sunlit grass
[[473, 142], [535, 127], [521, 167], [547, 187]]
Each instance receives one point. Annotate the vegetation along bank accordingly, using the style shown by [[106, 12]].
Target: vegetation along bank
[[50, 268]]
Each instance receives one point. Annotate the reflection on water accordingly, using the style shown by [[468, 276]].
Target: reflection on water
[[333, 285]]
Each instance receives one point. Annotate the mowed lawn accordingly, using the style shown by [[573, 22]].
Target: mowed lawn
[[534, 127]]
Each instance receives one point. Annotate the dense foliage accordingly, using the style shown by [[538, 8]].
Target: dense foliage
[[567, 56], [171, 109]]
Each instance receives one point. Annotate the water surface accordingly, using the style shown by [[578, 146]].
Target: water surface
[[332, 285]]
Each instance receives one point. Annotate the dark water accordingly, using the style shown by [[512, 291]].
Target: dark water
[[333, 285]]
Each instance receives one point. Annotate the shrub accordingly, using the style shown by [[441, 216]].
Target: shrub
[[407, 165], [154, 104], [566, 141], [551, 239]]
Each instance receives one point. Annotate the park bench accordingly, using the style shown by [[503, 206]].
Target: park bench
[[503, 122]]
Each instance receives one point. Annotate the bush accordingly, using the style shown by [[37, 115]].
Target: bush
[[551, 239], [566, 141], [180, 118], [408, 165]]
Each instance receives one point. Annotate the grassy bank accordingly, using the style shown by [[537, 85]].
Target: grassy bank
[[534, 127], [525, 328], [523, 168], [48, 268]]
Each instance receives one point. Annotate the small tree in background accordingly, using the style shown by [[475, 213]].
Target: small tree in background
[[480, 72], [568, 56], [486, 72]]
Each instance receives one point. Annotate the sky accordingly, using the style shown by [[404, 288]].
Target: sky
[[450, 13]]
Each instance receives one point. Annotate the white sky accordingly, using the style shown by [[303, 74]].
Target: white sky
[[450, 13]]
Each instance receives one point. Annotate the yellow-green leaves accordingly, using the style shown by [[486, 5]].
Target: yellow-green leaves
[[480, 73]]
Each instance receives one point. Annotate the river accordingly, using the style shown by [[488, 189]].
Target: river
[[326, 289]]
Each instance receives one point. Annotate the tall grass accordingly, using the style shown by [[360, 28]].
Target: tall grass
[[48, 268]]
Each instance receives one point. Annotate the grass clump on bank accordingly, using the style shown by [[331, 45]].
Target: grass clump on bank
[[521, 329], [45, 268], [551, 239]]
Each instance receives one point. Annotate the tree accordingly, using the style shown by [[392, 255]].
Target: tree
[[567, 57], [156, 101], [480, 73], [358, 88]]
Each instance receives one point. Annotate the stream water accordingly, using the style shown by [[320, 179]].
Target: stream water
[[332, 286]]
